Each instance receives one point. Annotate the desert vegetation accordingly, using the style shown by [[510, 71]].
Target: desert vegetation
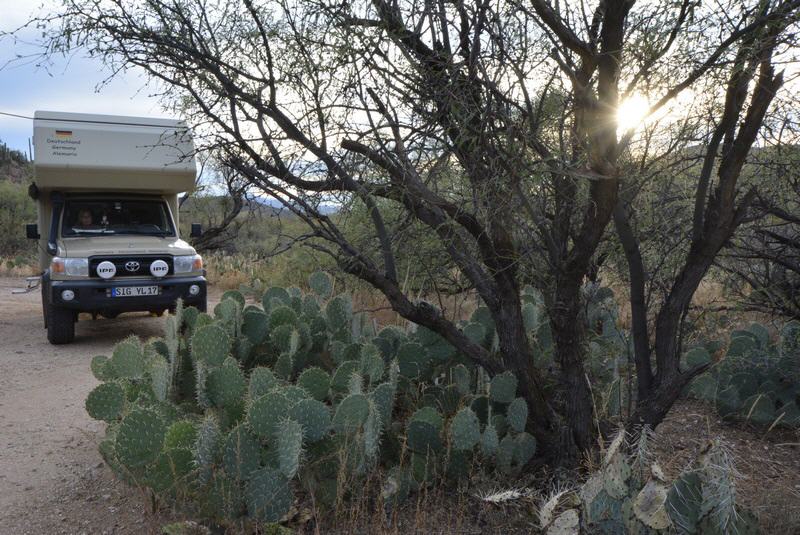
[[462, 243]]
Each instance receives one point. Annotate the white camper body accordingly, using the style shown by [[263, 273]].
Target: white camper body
[[107, 194]]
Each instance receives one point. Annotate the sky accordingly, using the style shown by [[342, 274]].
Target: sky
[[71, 84]]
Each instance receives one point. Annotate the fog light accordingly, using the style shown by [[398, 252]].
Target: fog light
[[67, 295], [194, 289]]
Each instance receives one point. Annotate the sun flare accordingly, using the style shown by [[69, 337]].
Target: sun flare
[[631, 112]]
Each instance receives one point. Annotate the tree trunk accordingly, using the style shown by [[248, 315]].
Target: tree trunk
[[569, 336], [518, 356], [637, 278]]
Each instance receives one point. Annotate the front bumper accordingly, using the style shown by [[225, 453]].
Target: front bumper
[[95, 295]]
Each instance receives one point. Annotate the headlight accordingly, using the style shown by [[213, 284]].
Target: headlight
[[188, 263], [74, 267]]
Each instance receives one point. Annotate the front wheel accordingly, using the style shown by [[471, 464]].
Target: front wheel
[[60, 325]]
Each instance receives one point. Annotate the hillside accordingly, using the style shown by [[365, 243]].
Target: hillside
[[14, 165]]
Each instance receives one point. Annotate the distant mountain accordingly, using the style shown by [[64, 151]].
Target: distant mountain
[[267, 204], [326, 208]]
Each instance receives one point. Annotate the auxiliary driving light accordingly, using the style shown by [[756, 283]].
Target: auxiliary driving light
[[67, 295], [194, 289]]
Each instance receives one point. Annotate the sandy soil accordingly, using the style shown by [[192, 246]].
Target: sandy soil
[[52, 479]]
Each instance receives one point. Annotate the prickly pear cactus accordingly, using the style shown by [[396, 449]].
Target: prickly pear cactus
[[756, 381], [234, 415]]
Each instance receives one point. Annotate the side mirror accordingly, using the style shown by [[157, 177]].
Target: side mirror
[[32, 231], [197, 230]]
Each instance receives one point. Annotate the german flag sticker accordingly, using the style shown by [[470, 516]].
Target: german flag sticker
[[63, 134]]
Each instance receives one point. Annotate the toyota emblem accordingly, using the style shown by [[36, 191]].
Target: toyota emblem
[[132, 266]]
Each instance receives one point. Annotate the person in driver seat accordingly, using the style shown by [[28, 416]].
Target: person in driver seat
[[85, 220]]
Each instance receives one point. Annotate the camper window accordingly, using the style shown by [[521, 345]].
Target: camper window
[[100, 217]]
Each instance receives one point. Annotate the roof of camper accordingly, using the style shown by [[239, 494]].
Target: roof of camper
[[44, 115], [90, 152]]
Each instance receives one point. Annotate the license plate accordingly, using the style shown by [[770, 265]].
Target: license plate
[[134, 291]]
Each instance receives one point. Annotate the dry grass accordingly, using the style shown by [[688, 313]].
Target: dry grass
[[769, 462], [18, 267]]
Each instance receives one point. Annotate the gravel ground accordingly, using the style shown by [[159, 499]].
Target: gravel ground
[[52, 479]]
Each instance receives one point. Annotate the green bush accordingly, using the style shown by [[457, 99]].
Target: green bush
[[16, 209]]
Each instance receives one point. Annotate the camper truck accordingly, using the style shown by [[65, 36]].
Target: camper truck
[[106, 189]]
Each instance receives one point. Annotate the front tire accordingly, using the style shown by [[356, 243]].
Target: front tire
[[60, 325]]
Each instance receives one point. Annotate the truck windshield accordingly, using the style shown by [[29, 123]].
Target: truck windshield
[[101, 217]]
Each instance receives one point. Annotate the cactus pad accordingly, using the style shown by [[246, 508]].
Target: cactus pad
[[517, 415], [236, 295], [127, 361], [210, 344], [207, 447], [320, 284], [372, 365], [476, 332], [286, 338], [683, 502], [503, 388], [254, 326], [262, 380], [106, 402], [465, 430], [289, 445], [310, 306], [241, 453], [351, 413], [462, 378], [505, 453], [740, 346], [139, 438], [759, 408], [338, 312], [284, 366], [422, 437], [524, 449], [224, 499], [225, 386], [341, 377], [704, 387], [383, 397], [168, 469], [314, 417], [101, 369], [489, 441], [430, 415], [189, 318], [697, 356], [275, 294], [282, 315], [268, 495], [413, 360], [650, 505], [316, 381], [160, 377], [265, 413]]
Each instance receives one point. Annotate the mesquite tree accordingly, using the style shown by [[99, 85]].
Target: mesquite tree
[[719, 204], [493, 124], [763, 262]]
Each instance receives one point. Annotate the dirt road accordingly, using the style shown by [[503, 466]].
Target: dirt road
[[52, 479]]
